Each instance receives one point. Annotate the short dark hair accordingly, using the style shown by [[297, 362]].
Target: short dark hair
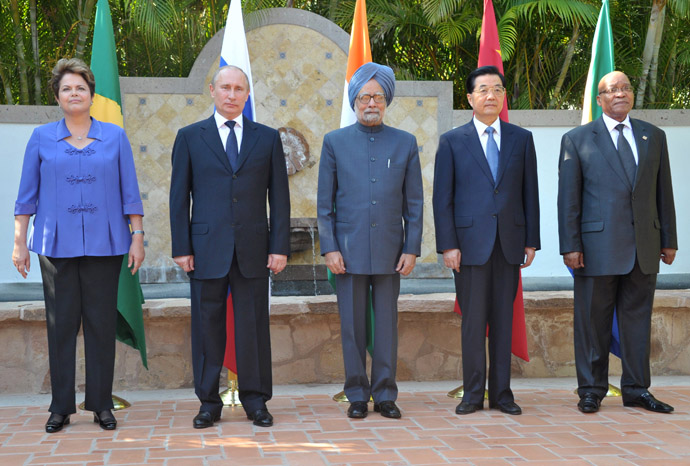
[[481, 71], [74, 66]]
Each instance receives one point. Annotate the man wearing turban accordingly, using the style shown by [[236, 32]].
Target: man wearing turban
[[370, 201]]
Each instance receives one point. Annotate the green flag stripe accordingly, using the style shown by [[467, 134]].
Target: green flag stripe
[[103, 56]]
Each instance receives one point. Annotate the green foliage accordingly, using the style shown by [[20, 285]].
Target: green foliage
[[420, 39]]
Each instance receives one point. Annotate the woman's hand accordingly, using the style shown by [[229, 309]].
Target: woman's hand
[[21, 259], [136, 253]]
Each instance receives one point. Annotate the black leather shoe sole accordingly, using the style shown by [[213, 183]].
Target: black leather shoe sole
[[648, 402], [589, 404], [204, 420], [512, 408], [261, 418], [358, 410], [389, 410], [105, 419], [467, 408]]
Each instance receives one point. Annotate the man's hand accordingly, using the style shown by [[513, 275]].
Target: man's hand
[[574, 260], [276, 262], [406, 264], [451, 259], [668, 255], [529, 257], [136, 253], [334, 262], [186, 263]]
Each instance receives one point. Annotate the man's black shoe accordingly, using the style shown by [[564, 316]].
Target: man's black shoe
[[467, 408], [388, 409], [261, 418], [205, 419], [648, 402], [357, 410], [508, 407], [589, 403]]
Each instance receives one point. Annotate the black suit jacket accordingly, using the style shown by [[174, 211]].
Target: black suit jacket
[[605, 217], [228, 209], [471, 210]]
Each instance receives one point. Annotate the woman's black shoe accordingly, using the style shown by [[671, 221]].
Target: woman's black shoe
[[56, 422], [106, 419]]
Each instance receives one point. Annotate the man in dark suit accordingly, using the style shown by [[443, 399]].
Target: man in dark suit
[[616, 219], [486, 213], [229, 165]]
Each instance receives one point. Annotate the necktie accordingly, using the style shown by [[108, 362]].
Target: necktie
[[492, 152], [626, 155], [231, 145]]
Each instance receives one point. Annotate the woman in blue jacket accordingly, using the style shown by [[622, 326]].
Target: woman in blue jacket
[[79, 181]]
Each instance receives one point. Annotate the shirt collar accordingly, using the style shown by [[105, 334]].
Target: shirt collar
[[481, 127], [220, 120], [611, 123], [95, 131]]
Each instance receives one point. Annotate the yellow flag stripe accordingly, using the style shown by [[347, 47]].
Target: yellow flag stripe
[[107, 110]]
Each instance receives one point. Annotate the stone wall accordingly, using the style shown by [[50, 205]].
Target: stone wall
[[305, 340]]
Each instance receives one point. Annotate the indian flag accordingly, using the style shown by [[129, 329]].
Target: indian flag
[[107, 107]]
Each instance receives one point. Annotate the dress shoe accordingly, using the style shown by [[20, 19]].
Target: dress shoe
[[508, 407], [105, 419], [589, 403], [56, 422], [358, 410], [205, 419], [261, 418], [388, 409], [648, 402], [466, 407]]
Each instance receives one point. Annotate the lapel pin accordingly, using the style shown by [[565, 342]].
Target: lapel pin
[[644, 137]]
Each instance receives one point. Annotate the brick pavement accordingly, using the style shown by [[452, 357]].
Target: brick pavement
[[311, 429]]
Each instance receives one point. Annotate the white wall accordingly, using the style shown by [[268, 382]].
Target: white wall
[[548, 262]]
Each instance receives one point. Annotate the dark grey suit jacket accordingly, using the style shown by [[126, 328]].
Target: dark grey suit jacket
[[600, 214], [471, 210], [228, 209]]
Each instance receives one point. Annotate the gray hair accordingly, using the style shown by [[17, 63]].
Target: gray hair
[[228, 67]]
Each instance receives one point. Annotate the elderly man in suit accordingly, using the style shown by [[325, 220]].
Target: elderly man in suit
[[370, 204], [616, 219], [225, 167], [486, 213]]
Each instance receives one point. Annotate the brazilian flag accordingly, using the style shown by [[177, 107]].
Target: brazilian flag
[[107, 107]]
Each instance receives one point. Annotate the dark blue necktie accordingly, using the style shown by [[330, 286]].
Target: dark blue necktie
[[626, 155], [492, 152], [231, 145]]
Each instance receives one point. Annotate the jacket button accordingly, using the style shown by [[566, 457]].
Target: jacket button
[[495, 191], [234, 199], [373, 225], [373, 159], [373, 180], [371, 139], [493, 216], [373, 202], [234, 177]]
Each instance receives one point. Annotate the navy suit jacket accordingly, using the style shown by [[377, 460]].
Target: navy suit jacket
[[471, 210], [228, 209]]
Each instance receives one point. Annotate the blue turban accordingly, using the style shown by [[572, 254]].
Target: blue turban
[[381, 73]]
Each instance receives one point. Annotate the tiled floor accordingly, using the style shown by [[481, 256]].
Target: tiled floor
[[311, 429]]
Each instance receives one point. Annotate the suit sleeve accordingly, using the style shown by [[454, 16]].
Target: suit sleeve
[[279, 201], [443, 197], [530, 196], [569, 197], [327, 188], [664, 199], [180, 191], [413, 203]]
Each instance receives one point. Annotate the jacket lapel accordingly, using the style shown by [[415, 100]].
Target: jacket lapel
[[474, 147], [209, 134], [608, 150], [642, 143], [249, 139]]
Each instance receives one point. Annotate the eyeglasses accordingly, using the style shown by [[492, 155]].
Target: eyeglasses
[[379, 98], [616, 90], [498, 91]]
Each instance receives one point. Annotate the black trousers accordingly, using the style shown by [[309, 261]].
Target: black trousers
[[486, 294], [632, 295], [81, 290], [252, 338]]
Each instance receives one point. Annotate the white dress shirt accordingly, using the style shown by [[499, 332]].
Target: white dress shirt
[[627, 132], [224, 130], [484, 136]]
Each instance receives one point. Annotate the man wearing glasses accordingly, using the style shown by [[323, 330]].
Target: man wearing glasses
[[369, 206], [616, 220], [486, 213]]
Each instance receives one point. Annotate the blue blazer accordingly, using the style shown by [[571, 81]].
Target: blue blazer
[[471, 210], [81, 197]]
